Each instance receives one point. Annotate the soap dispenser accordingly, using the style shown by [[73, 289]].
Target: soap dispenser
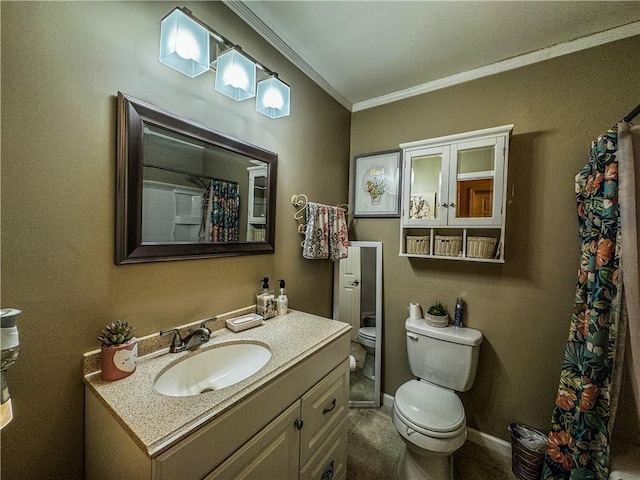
[[265, 300], [283, 300]]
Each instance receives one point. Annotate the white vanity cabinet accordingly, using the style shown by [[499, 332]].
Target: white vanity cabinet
[[454, 196], [292, 427]]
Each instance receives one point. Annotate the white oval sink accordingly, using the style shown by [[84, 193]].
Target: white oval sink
[[213, 369]]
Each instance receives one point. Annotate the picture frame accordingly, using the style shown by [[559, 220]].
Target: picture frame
[[376, 183]]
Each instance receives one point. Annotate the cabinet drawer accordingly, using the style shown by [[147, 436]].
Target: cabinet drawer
[[330, 461], [323, 407]]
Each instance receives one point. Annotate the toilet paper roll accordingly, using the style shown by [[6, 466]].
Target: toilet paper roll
[[352, 363], [415, 311]]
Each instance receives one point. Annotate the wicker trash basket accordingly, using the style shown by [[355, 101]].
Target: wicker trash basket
[[527, 451]]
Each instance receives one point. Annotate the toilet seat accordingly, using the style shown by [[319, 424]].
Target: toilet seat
[[368, 333], [430, 409]]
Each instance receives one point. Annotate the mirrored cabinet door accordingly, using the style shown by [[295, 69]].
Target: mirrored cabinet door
[[476, 177], [426, 173]]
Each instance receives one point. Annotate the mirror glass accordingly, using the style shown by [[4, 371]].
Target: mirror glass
[[185, 191], [426, 176], [474, 182], [358, 301]]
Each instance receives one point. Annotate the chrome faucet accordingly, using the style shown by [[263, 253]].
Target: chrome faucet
[[193, 340]]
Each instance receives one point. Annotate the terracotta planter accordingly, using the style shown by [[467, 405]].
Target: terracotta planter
[[119, 361]]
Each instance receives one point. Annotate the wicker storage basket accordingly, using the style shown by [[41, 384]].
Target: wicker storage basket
[[481, 247], [449, 246], [439, 321], [418, 244], [526, 461]]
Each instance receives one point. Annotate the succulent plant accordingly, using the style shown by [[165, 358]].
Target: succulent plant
[[438, 309], [116, 333]]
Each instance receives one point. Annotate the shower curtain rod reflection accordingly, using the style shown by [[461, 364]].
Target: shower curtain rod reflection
[[191, 175]]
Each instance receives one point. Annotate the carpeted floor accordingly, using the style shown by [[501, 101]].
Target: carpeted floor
[[375, 448]]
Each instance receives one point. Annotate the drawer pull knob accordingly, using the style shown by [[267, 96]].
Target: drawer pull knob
[[298, 423], [328, 474], [327, 410]]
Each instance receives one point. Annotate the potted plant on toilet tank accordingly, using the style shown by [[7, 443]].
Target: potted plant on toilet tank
[[119, 351], [437, 315]]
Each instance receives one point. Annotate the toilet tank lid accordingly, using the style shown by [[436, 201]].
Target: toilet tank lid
[[463, 335]]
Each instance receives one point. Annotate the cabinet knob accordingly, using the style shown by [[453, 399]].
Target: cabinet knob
[[452, 204], [298, 423], [444, 205]]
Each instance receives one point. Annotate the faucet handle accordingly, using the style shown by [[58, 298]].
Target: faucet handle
[[203, 324], [177, 341]]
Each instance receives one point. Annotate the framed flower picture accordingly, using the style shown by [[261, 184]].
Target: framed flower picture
[[376, 184]]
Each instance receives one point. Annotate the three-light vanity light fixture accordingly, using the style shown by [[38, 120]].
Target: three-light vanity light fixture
[[186, 44]]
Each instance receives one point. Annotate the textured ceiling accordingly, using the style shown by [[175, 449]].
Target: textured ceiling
[[365, 52]]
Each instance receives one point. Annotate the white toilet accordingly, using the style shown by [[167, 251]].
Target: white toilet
[[427, 412], [367, 338]]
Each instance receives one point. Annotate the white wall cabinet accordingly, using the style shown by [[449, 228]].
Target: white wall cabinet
[[454, 196]]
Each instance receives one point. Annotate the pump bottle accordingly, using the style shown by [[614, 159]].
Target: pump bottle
[[265, 300], [283, 300]]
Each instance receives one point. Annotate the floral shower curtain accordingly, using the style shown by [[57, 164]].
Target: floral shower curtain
[[578, 445], [221, 212]]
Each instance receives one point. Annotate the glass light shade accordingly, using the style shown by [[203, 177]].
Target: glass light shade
[[184, 44], [273, 98], [235, 75]]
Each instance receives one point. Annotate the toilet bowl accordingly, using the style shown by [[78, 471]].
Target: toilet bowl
[[431, 421], [427, 412], [367, 338]]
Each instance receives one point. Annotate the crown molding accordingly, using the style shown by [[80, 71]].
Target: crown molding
[[246, 14], [618, 33]]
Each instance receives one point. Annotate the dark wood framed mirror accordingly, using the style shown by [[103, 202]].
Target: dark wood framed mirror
[[185, 191]]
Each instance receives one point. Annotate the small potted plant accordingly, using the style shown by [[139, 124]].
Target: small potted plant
[[119, 351], [437, 315]]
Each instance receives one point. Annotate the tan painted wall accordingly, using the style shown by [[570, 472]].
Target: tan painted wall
[[522, 307], [62, 65]]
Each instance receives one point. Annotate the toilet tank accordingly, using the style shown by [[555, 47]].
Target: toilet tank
[[446, 356]]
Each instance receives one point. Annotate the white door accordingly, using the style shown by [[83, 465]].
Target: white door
[[349, 291]]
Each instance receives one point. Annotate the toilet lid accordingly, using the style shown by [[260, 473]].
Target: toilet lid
[[368, 332], [429, 406]]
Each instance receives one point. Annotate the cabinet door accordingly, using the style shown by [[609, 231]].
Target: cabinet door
[[272, 453], [426, 187], [476, 178]]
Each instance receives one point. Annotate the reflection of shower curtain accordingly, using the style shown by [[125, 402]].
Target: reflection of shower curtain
[[221, 213], [578, 445]]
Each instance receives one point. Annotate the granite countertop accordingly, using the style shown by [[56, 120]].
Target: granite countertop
[[157, 421]]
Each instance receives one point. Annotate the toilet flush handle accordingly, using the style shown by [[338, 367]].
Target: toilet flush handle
[[412, 336]]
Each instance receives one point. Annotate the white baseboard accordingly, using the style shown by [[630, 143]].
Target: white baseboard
[[489, 442], [485, 440]]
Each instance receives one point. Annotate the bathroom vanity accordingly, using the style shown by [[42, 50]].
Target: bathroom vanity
[[286, 421]]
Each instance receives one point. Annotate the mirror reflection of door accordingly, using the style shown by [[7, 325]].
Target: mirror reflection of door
[[474, 178], [358, 286]]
